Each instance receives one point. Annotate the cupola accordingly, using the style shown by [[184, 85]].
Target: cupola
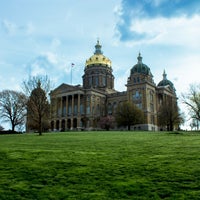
[[98, 58], [165, 82], [140, 67]]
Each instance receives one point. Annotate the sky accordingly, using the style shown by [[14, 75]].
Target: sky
[[43, 37]]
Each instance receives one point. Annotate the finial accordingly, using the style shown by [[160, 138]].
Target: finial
[[98, 48], [164, 75], [139, 58]]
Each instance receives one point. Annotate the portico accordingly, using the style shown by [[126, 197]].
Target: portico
[[67, 110]]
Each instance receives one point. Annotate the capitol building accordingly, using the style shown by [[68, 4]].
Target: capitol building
[[82, 106]]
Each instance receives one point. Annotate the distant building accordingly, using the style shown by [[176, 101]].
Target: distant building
[[81, 107]]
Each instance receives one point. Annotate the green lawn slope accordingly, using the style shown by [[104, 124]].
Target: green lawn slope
[[100, 165]]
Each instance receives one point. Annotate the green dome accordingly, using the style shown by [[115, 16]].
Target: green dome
[[140, 67], [166, 82]]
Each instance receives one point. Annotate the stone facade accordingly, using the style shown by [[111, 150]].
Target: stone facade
[[81, 107]]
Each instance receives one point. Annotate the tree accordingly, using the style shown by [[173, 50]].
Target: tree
[[194, 124], [38, 108], [128, 114], [13, 107], [192, 101], [1, 128], [106, 122], [169, 115]]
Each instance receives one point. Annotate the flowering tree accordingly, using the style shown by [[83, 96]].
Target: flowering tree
[[107, 122]]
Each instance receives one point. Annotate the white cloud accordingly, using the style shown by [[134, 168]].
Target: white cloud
[[12, 28], [170, 31], [30, 28], [187, 70], [9, 27], [51, 57], [37, 70], [55, 43]]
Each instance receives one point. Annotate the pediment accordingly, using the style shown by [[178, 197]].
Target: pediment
[[65, 88]]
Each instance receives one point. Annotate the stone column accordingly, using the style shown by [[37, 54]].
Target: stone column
[[66, 112], [58, 107], [79, 104], [72, 105], [72, 112], [61, 105], [66, 105], [79, 113]]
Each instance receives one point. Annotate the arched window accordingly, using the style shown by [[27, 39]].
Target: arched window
[[104, 81], [136, 95], [109, 109], [114, 107], [96, 81], [57, 125], [81, 109], [88, 109], [98, 110]]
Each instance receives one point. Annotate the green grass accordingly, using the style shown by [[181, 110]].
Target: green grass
[[100, 165]]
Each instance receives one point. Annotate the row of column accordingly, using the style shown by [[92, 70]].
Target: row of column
[[67, 106]]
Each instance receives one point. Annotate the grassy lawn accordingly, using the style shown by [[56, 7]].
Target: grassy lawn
[[100, 165]]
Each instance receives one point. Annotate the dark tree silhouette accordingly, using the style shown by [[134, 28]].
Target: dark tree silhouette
[[128, 114], [38, 108], [169, 115], [1, 128]]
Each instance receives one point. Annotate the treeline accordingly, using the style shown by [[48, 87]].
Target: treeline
[[5, 132], [31, 108]]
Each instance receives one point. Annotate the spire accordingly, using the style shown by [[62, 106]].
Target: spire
[[164, 75], [139, 58], [98, 48]]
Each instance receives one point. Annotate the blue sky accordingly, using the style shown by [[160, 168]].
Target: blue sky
[[46, 36]]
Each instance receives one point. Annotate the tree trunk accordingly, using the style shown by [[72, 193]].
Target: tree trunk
[[40, 126], [13, 128]]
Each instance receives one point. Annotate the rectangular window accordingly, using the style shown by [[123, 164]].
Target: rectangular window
[[69, 110], [75, 109], [104, 81], [96, 81], [90, 81], [88, 110], [151, 107]]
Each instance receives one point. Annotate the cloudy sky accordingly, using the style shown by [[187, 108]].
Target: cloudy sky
[[46, 36]]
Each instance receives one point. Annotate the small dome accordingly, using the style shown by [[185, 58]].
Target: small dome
[[140, 67], [98, 58], [166, 82]]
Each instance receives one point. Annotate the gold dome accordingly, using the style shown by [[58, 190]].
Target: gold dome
[[98, 58]]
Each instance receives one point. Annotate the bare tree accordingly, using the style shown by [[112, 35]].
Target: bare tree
[[13, 107], [32, 83], [38, 108], [169, 116], [192, 101], [128, 114], [1, 128]]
